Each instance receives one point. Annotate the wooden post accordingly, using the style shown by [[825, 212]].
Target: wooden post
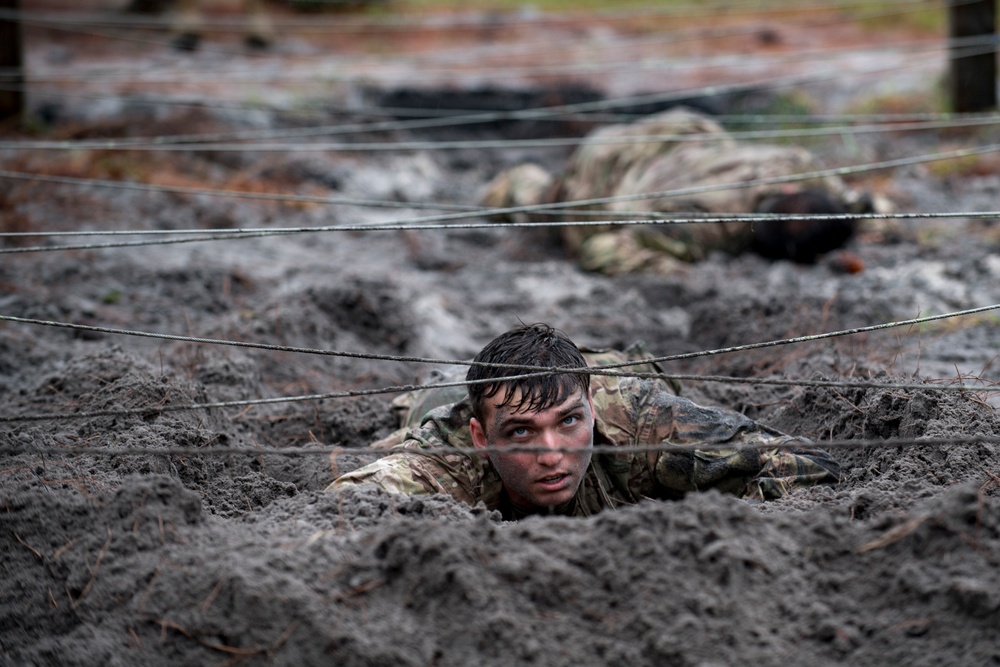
[[972, 79], [11, 67]]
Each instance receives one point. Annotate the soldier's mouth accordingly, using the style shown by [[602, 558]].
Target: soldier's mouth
[[553, 482]]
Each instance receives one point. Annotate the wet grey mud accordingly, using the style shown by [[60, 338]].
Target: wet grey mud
[[124, 539]]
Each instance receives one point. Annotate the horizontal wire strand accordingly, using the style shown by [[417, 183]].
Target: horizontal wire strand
[[531, 371], [156, 145], [673, 219], [424, 221], [209, 450], [232, 235], [846, 120], [158, 409]]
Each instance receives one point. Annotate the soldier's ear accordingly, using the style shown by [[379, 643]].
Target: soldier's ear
[[477, 433]]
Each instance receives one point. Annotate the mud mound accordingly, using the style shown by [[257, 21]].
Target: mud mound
[[368, 578]]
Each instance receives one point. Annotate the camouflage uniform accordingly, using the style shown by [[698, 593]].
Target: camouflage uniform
[[603, 166], [628, 411]]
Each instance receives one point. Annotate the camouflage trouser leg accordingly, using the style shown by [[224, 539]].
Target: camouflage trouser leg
[[618, 252], [748, 473], [784, 470], [661, 249]]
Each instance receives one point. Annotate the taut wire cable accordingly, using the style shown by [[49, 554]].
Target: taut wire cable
[[210, 450], [531, 371], [237, 234], [396, 389], [159, 144], [425, 221], [423, 360]]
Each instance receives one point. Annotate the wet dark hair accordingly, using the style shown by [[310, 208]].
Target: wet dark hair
[[801, 241], [528, 345]]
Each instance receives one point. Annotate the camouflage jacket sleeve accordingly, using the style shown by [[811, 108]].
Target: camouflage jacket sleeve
[[415, 463], [746, 458]]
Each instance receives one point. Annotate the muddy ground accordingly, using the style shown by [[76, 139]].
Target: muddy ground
[[125, 539]]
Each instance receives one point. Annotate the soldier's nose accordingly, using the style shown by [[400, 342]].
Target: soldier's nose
[[552, 445]]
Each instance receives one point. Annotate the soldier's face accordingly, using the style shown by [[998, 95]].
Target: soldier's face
[[551, 476]]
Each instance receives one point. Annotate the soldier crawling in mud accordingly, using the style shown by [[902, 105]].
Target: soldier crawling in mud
[[683, 150], [559, 418]]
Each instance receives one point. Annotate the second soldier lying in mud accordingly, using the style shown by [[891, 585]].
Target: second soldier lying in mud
[[690, 160]]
